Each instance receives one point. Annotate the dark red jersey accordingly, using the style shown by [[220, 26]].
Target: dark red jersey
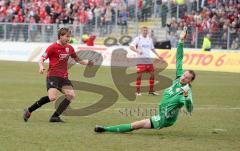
[[58, 56]]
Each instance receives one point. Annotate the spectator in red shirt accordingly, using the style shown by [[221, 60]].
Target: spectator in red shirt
[[83, 16]]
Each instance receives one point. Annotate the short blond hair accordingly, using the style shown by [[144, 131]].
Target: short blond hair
[[144, 27]]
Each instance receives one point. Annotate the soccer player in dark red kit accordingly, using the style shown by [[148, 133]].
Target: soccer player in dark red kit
[[58, 54]]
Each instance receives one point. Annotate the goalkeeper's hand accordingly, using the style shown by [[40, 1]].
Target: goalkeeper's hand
[[182, 110], [185, 89], [183, 34]]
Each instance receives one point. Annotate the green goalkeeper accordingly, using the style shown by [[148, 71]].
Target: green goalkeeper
[[179, 94]]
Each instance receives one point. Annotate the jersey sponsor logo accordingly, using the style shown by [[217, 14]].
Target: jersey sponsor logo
[[63, 56], [145, 46]]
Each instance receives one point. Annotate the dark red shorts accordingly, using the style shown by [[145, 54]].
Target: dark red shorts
[[145, 68], [57, 82]]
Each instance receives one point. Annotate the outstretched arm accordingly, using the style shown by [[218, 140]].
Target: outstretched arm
[[78, 60], [186, 99], [189, 102], [179, 55], [179, 58], [82, 61]]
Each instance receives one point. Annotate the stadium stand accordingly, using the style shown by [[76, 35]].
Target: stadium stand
[[38, 20]]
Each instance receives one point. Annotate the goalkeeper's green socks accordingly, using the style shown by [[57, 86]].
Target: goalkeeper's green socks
[[119, 128]]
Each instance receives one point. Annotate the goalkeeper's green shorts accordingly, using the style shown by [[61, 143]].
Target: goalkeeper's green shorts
[[157, 121], [160, 121]]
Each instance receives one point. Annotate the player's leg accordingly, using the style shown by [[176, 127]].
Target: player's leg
[[52, 95], [155, 122], [146, 124], [138, 83], [52, 87], [68, 91], [151, 80]]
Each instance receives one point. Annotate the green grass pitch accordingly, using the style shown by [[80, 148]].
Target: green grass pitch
[[214, 124]]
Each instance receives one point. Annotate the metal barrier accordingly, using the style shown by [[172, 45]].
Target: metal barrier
[[48, 32], [158, 12], [220, 38]]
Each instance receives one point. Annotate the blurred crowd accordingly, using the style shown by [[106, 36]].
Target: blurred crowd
[[218, 18], [84, 12]]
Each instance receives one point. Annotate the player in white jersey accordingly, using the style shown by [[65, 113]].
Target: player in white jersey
[[143, 45]]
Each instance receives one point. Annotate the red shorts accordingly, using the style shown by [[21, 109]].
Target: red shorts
[[145, 68]]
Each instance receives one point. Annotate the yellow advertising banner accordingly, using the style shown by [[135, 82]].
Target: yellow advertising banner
[[208, 61]]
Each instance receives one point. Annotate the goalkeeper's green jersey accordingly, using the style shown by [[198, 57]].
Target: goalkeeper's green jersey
[[173, 98]]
